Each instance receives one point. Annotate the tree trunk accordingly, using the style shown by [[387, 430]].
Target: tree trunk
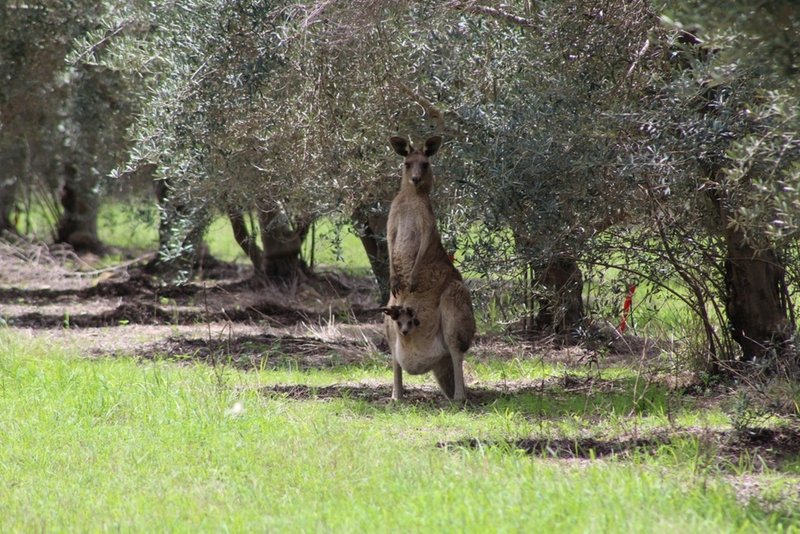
[[8, 189], [88, 161], [12, 163], [561, 305], [246, 240], [78, 223], [180, 236], [370, 225], [281, 244], [757, 300], [279, 256]]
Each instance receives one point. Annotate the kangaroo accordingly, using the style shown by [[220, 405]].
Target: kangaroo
[[425, 288]]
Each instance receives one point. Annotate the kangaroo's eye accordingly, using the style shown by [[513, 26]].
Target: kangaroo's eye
[[425, 165], [408, 165]]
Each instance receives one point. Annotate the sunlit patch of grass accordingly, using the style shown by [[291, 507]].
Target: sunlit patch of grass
[[336, 245], [38, 222], [129, 226]]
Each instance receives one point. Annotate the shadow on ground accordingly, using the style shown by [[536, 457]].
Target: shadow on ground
[[267, 351], [553, 397], [141, 300], [761, 448], [148, 313]]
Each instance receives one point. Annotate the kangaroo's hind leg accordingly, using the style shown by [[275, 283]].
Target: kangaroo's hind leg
[[397, 385], [458, 328], [460, 390], [444, 372]]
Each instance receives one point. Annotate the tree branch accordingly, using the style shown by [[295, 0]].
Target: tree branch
[[426, 104], [102, 43], [245, 239], [477, 9]]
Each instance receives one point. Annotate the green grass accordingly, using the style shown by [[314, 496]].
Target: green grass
[[122, 444], [129, 226]]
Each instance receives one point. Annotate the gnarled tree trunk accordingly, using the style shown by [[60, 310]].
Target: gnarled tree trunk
[[8, 190], [98, 119], [369, 223], [282, 242], [278, 257], [11, 166], [79, 195], [757, 300], [180, 235], [560, 283], [78, 223]]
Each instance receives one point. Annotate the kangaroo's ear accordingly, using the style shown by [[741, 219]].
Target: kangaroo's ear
[[400, 145], [432, 145]]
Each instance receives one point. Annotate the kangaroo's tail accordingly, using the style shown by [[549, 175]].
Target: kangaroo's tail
[[445, 376]]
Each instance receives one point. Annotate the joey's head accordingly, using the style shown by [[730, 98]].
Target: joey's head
[[417, 167], [404, 317]]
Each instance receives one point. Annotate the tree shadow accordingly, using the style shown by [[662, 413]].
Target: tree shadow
[[549, 398], [142, 300], [726, 450], [267, 351], [723, 450], [151, 313]]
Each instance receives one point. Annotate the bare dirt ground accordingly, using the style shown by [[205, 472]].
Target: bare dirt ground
[[328, 320]]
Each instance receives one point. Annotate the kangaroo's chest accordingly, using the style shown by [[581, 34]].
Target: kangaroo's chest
[[409, 219], [407, 236]]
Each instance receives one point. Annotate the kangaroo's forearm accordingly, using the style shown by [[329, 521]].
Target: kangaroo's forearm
[[424, 242]]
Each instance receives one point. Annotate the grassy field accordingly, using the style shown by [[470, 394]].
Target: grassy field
[[135, 443], [127, 444]]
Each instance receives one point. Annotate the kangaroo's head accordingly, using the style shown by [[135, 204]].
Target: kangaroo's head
[[417, 168], [404, 316]]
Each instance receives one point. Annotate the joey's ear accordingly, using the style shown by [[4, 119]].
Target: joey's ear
[[432, 145], [400, 145], [392, 311]]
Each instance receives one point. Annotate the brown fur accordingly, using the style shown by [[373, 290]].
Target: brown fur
[[424, 281]]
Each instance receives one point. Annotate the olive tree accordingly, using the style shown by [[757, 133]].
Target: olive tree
[[63, 123], [723, 159], [578, 135], [34, 38]]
